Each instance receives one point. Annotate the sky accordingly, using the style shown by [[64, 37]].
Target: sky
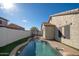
[[28, 15]]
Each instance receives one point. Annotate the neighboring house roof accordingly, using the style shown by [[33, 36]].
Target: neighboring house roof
[[14, 26], [11, 26], [73, 11], [3, 19]]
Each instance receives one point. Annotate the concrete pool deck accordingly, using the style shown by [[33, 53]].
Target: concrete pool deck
[[63, 49]]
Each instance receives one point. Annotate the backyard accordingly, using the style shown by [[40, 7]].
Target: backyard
[[5, 50]]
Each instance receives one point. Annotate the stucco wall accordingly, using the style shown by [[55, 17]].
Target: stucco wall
[[9, 35], [48, 32], [73, 21], [43, 32]]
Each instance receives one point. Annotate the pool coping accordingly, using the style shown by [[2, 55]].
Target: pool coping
[[15, 50]]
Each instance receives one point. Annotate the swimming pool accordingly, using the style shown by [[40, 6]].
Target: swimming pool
[[39, 48]]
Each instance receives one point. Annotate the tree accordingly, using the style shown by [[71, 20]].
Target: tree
[[34, 31]]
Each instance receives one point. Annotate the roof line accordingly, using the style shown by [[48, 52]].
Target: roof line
[[3, 18], [73, 11]]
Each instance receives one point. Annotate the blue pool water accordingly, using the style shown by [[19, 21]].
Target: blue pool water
[[39, 48]]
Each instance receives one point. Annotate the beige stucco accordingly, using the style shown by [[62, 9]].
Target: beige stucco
[[48, 32], [73, 21]]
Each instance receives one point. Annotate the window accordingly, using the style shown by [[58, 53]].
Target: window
[[0, 22], [67, 31]]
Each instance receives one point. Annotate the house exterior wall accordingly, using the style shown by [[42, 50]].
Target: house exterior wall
[[73, 21], [48, 32], [4, 23], [43, 32], [9, 35]]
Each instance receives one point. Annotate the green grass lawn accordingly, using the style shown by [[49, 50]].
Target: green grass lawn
[[5, 50]]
